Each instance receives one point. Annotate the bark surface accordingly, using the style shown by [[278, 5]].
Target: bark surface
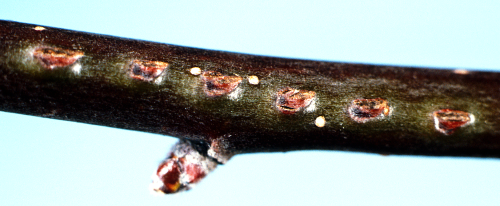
[[115, 82]]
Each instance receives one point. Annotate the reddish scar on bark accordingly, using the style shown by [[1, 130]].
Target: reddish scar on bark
[[53, 57], [290, 100], [364, 110], [216, 84], [147, 70], [447, 121]]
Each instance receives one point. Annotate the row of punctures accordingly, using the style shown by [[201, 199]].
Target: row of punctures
[[288, 100]]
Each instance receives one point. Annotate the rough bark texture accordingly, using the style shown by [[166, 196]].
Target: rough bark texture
[[100, 88]]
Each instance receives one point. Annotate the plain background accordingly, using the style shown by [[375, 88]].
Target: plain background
[[50, 162]]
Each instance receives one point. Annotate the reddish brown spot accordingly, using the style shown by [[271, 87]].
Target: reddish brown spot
[[53, 57], [194, 173], [178, 173], [363, 110], [169, 173], [217, 84], [290, 101], [447, 121], [147, 70], [183, 168]]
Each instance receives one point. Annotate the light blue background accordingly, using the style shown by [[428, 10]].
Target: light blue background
[[51, 162]]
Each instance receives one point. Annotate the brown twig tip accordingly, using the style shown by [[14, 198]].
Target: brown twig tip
[[290, 100], [447, 121], [183, 168], [53, 57], [216, 84], [147, 70], [364, 110]]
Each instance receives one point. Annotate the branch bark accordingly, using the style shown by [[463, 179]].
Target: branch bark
[[101, 87], [236, 103]]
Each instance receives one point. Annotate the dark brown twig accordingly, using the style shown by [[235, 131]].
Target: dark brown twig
[[235, 103]]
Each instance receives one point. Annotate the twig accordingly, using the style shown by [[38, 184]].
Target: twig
[[228, 103]]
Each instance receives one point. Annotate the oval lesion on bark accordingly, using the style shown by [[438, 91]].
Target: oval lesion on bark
[[290, 100], [447, 121], [54, 57], [146, 70], [364, 110], [216, 84]]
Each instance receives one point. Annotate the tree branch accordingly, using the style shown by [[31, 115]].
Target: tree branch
[[235, 103]]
